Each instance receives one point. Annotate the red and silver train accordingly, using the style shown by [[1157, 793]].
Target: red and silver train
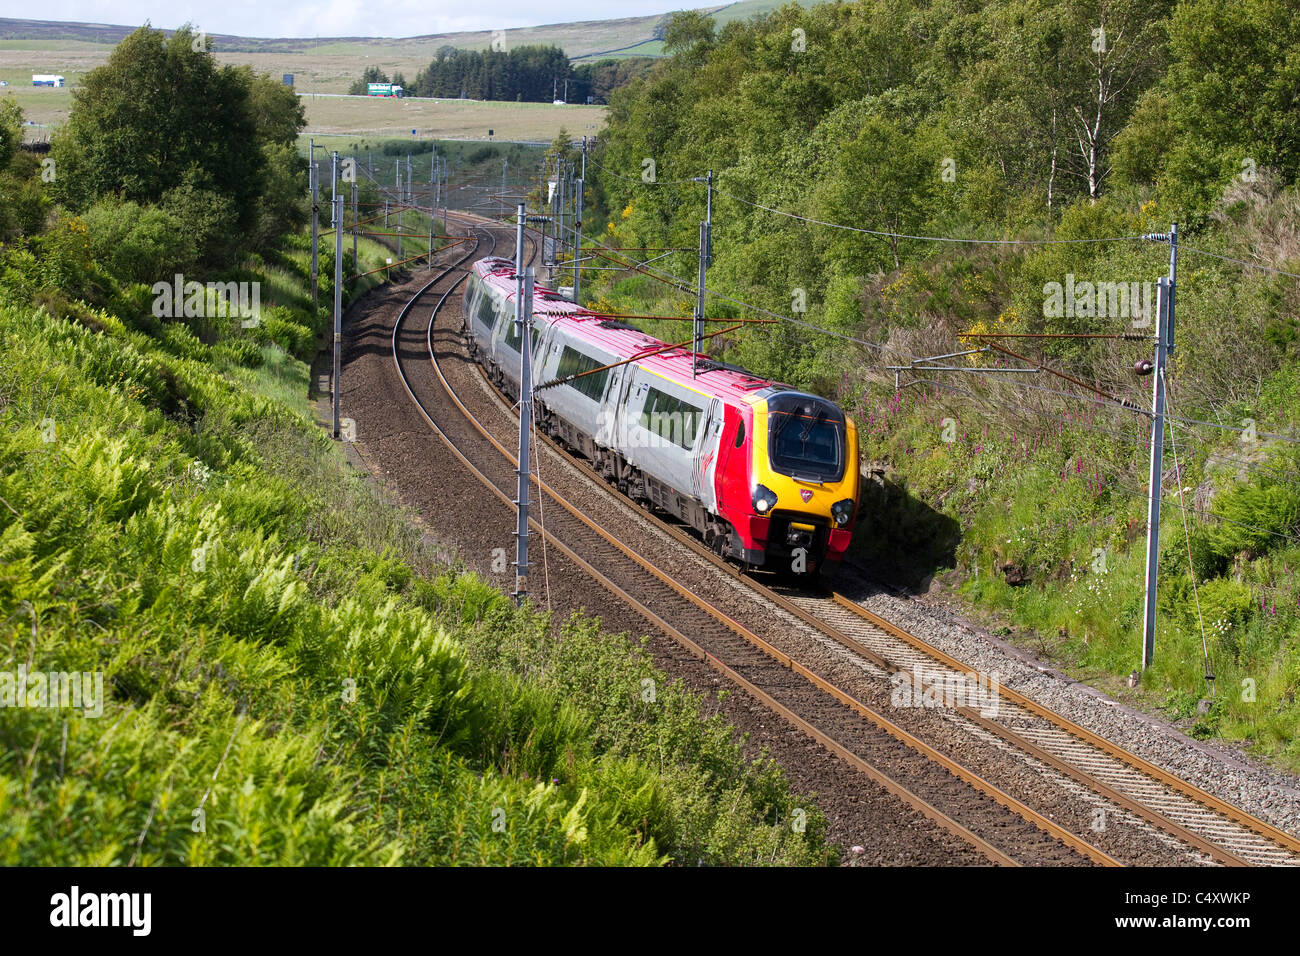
[[767, 475]]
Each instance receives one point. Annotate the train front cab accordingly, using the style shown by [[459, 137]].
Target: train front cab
[[803, 483]]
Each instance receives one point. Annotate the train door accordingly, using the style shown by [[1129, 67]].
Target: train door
[[607, 421], [706, 456]]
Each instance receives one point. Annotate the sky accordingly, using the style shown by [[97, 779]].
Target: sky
[[308, 18]]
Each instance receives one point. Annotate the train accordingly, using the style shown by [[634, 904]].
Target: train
[[767, 475]]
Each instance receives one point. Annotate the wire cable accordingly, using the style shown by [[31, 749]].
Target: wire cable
[[1240, 262], [900, 235], [1187, 537]]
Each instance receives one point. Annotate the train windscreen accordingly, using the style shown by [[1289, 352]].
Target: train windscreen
[[805, 437]]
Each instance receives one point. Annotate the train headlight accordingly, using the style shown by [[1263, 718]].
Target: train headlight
[[842, 511], [764, 499]]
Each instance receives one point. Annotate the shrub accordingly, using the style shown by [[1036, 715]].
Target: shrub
[[140, 243], [281, 325], [245, 352]]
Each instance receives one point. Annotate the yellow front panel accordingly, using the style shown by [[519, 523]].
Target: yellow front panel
[[787, 489]]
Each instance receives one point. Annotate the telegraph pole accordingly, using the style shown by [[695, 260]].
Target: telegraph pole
[[354, 224], [559, 207], [548, 200], [706, 256], [571, 207], [336, 201], [577, 247], [315, 224], [410, 190], [1164, 345], [505, 161], [397, 176], [523, 315]]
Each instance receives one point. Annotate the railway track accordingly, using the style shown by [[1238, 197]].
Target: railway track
[[1175, 813], [1224, 833], [804, 700]]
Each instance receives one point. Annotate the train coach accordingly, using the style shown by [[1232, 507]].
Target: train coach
[[767, 475]]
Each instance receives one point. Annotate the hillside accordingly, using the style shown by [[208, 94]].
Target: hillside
[[587, 39], [288, 668], [918, 175], [329, 65]]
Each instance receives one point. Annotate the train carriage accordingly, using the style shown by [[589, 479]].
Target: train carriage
[[766, 474]]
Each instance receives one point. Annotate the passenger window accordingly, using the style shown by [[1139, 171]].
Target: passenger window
[[740, 434]]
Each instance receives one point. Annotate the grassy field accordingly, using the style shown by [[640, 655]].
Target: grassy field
[[448, 119], [578, 38], [330, 65], [360, 115], [40, 104], [327, 65]]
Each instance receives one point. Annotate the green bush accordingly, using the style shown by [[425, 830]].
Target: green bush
[[282, 326], [245, 352], [140, 244]]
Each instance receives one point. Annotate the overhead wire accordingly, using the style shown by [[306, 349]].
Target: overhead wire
[[1240, 262], [901, 235], [1136, 493]]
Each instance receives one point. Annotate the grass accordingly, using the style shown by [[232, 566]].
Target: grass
[[42, 105], [371, 116], [294, 675], [447, 119], [1032, 508], [1048, 505], [326, 65]]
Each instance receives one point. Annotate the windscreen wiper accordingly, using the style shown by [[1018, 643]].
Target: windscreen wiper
[[817, 420]]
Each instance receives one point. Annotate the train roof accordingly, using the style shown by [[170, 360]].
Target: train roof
[[712, 378]]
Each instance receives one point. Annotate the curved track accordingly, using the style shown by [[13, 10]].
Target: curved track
[[1001, 827]]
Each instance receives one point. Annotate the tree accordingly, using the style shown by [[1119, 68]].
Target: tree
[[11, 129], [276, 109], [162, 123], [157, 115], [526, 72], [884, 180], [1125, 56], [1049, 84], [371, 74], [688, 34], [1231, 96]]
